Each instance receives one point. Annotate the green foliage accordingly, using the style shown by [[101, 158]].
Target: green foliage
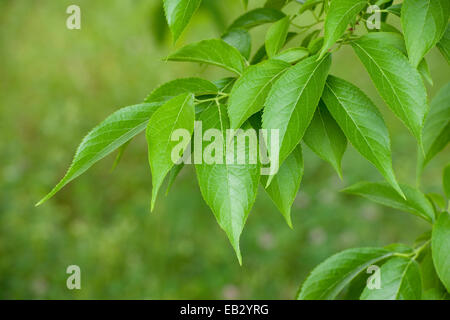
[[291, 90], [179, 13], [424, 23], [401, 280]]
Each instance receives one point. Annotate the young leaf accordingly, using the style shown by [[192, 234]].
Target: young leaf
[[215, 51], [179, 13], [325, 138], [292, 55], [108, 136], [444, 44], [240, 39], [177, 113], [292, 101], [177, 87], [416, 202], [362, 124], [328, 279], [400, 280], [436, 131], [446, 181], [398, 83], [440, 248], [340, 15], [229, 189], [257, 17], [286, 182], [250, 91], [423, 23], [276, 36]]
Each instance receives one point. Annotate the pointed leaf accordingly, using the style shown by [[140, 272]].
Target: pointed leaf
[[398, 83], [362, 124], [325, 138], [416, 202], [328, 279], [177, 113], [257, 17], [108, 136], [286, 182], [215, 51], [292, 101], [229, 189], [400, 280], [250, 91], [240, 39], [176, 87], [423, 23], [440, 248], [436, 131], [340, 15], [179, 13], [276, 36]]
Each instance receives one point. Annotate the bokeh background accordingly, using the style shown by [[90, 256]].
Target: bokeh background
[[56, 84]]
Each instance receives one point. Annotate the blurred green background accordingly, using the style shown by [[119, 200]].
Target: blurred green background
[[56, 84]]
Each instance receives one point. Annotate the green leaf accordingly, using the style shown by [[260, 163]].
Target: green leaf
[[257, 17], [416, 202], [328, 279], [440, 248], [430, 279], [395, 9], [398, 83], [423, 23], [396, 40], [240, 39], [286, 182], [400, 280], [315, 45], [276, 36], [362, 124], [173, 174], [325, 138], [309, 5], [444, 44], [119, 156], [436, 131], [292, 55], [292, 101], [177, 87], [435, 294], [108, 136], [275, 4], [311, 36], [215, 51], [340, 15], [177, 113], [229, 189], [179, 13], [250, 91], [446, 181]]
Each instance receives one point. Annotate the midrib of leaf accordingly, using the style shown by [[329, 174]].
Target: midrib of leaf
[[352, 274], [394, 91]]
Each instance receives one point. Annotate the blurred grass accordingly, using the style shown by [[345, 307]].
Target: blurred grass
[[56, 84]]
